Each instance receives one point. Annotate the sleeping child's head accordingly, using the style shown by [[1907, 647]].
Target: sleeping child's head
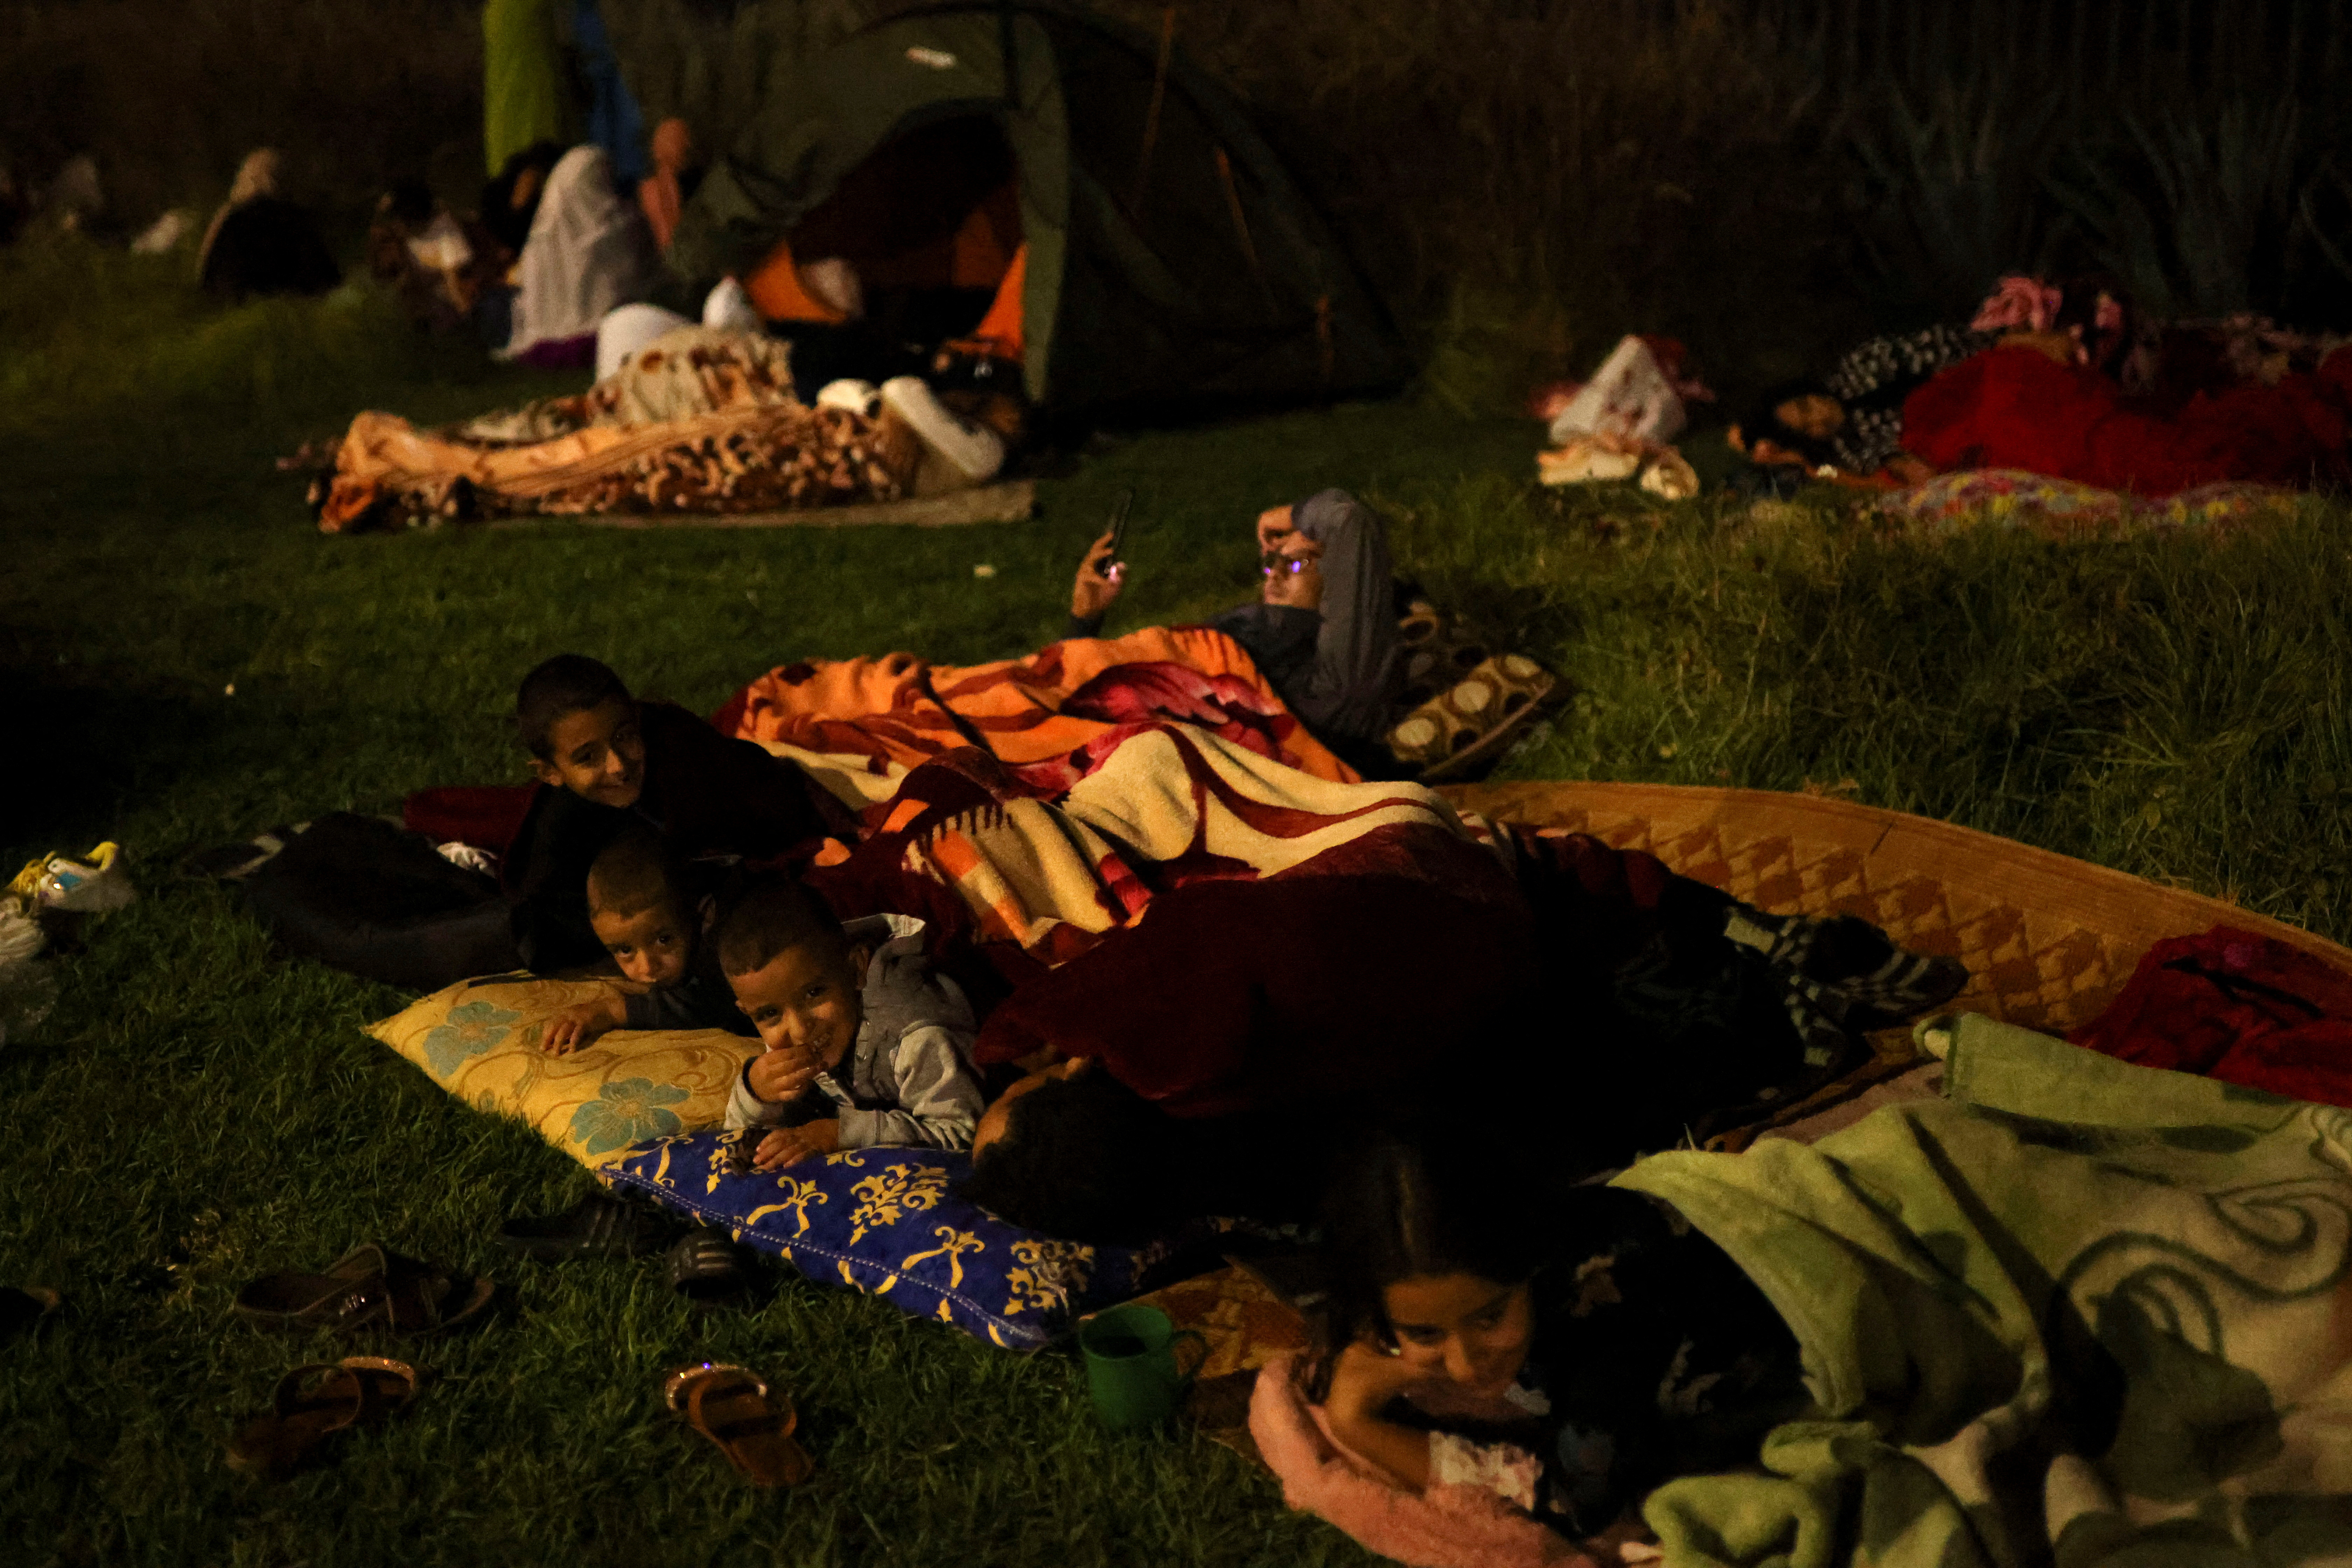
[[1071, 1150], [794, 973], [580, 725], [638, 905]]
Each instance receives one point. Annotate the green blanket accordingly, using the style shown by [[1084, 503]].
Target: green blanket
[[2080, 1313]]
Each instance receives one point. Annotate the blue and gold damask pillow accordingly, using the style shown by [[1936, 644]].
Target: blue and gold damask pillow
[[887, 1222]]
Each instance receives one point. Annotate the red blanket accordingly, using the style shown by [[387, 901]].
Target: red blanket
[[2242, 1009], [2015, 409]]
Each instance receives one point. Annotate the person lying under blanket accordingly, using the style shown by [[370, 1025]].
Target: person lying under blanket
[[1324, 630], [2078, 1311], [607, 762], [2073, 391], [1181, 1069]]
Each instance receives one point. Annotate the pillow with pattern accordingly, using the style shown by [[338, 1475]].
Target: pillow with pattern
[[479, 1040], [888, 1222]]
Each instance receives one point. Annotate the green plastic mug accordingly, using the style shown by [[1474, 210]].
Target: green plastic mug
[[1131, 1365]]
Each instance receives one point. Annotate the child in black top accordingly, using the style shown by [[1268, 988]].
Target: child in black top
[[610, 762], [645, 910]]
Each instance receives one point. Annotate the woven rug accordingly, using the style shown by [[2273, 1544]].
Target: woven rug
[[2048, 941], [1245, 1324]]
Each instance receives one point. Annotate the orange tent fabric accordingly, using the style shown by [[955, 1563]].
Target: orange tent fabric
[[1000, 331], [779, 294]]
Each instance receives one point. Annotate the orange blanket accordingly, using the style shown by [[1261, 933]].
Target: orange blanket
[[1048, 718]]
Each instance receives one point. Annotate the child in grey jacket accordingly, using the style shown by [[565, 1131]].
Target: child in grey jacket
[[866, 1045]]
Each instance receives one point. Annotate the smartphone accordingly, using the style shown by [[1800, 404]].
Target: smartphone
[[1118, 526]]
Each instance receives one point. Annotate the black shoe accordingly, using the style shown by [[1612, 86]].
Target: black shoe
[[710, 1271], [598, 1225]]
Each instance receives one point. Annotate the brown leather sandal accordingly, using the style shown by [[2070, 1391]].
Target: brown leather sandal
[[314, 1402], [368, 1289], [751, 1425]]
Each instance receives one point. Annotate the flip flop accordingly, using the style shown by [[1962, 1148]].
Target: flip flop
[[598, 1225], [369, 1290], [749, 1423], [314, 1402], [709, 1270], [1474, 719], [24, 1308]]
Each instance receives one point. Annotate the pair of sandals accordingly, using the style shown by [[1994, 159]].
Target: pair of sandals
[[368, 1290], [703, 1265]]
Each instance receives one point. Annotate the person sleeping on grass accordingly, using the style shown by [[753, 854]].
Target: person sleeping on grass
[[1324, 630], [644, 909], [866, 1045], [609, 763]]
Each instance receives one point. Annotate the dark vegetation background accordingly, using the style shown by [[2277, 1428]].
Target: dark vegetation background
[[1525, 179]]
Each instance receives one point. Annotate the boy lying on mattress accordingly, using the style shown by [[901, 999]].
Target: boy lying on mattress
[[867, 1047]]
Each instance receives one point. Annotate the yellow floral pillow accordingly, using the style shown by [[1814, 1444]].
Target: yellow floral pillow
[[479, 1040]]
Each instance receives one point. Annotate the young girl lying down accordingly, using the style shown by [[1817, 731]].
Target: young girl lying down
[[1565, 1349]]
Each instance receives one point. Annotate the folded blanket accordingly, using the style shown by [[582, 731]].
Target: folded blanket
[[1048, 716], [2084, 1310], [2233, 1005]]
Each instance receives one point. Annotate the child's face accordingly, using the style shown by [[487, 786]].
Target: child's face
[[1473, 1331], [651, 946], [806, 998], [597, 753]]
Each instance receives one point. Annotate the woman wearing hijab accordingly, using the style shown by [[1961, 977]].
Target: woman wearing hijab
[[587, 254], [260, 243]]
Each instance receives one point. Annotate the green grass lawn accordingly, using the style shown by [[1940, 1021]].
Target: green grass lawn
[[186, 660]]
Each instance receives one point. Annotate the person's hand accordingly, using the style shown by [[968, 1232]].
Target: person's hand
[[777, 1076], [1274, 526], [1364, 1378], [1298, 575], [791, 1145], [573, 1028], [1099, 580]]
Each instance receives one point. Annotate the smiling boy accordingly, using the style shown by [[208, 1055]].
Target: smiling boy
[[866, 1045], [610, 762]]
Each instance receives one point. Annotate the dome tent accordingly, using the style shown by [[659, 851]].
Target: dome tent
[[1171, 257]]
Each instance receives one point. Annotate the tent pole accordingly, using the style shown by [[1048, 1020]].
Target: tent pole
[[1151, 115], [1006, 59]]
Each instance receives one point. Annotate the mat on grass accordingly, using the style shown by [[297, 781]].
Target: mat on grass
[[2067, 509], [1007, 502], [2048, 941]]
